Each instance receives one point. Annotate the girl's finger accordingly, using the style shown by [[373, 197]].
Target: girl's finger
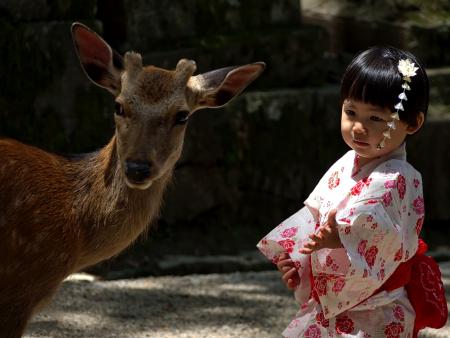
[[286, 268], [284, 262], [305, 251], [292, 283], [309, 244], [331, 219], [283, 255], [310, 247], [289, 275], [315, 237]]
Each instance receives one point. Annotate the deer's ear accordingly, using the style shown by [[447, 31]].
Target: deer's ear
[[100, 62], [216, 88]]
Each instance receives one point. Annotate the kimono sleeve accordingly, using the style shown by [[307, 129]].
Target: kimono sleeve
[[289, 237], [379, 229]]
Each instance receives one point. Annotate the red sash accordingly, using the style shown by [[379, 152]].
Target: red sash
[[425, 289], [422, 280]]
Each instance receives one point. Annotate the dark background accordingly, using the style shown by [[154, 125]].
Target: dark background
[[248, 166]]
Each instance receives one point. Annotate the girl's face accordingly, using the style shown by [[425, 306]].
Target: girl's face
[[362, 127]]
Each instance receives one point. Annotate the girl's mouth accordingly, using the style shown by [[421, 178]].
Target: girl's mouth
[[360, 143]]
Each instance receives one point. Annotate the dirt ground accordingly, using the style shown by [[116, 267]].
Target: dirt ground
[[250, 304]]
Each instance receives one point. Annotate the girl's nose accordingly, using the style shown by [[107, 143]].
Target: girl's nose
[[358, 128]]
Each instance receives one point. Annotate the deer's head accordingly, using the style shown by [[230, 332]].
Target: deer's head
[[153, 105]]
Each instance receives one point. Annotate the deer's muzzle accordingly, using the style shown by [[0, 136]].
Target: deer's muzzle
[[137, 172]]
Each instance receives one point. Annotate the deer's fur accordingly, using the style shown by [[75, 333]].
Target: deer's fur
[[60, 215]]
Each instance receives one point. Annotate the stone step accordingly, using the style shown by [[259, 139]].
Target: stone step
[[294, 57], [43, 10], [45, 98], [439, 85], [422, 28], [176, 20]]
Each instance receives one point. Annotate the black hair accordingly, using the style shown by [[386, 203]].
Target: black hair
[[373, 77]]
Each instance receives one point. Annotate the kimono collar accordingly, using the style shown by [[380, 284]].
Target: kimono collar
[[397, 154]]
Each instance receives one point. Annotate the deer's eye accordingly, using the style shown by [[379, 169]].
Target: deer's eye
[[181, 117], [118, 109]]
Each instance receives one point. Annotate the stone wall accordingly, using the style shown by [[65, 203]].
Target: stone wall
[[245, 167]]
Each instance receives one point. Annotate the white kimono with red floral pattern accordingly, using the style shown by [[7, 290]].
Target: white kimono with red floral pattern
[[380, 212]]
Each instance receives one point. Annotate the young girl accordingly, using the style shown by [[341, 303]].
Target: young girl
[[350, 252]]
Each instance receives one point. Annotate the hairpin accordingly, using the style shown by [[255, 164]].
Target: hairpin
[[407, 69]]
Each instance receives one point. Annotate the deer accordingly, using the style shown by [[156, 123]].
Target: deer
[[60, 215]]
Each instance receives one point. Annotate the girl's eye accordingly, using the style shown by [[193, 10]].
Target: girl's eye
[[350, 112], [376, 119], [181, 117], [118, 109]]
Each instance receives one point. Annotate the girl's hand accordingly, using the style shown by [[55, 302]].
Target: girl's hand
[[327, 236], [288, 271]]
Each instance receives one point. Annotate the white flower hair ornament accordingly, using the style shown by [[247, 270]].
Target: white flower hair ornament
[[408, 69]]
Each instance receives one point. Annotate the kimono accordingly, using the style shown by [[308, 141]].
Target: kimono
[[380, 212]]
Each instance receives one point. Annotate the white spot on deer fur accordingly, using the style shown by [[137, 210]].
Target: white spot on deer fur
[[35, 247], [63, 257], [16, 239], [14, 235], [18, 202], [40, 237], [9, 269]]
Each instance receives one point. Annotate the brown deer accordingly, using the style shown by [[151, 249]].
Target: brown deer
[[60, 215]]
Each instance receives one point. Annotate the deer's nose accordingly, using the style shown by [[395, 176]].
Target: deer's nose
[[137, 171]]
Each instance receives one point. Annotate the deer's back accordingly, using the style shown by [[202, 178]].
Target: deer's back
[[37, 237]]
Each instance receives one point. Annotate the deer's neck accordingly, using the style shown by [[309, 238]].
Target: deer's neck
[[111, 214]]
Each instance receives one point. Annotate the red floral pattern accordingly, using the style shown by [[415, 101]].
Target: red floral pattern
[[362, 247], [393, 330], [345, 220], [381, 274], [399, 254], [338, 285], [290, 232], [419, 225], [387, 199], [320, 318], [401, 186], [371, 255], [320, 284], [371, 201], [287, 244], [329, 261], [334, 180], [312, 332], [419, 205], [399, 313], [357, 188], [297, 265], [389, 184], [344, 324]]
